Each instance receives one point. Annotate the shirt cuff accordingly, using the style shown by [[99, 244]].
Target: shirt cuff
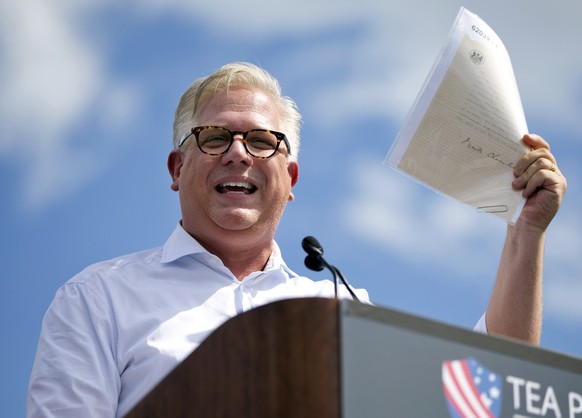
[[481, 325]]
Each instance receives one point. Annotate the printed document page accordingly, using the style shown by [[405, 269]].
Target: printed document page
[[463, 136]]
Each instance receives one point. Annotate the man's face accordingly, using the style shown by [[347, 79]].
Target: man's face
[[212, 201]]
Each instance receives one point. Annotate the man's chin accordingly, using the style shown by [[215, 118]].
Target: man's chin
[[237, 219]]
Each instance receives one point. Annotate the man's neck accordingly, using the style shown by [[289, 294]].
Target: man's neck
[[247, 262], [241, 255]]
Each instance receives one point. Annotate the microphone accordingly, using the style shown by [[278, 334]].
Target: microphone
[[312, 246], [315, 261]]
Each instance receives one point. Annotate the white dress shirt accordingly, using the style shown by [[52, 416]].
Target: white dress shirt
[[117, 328]]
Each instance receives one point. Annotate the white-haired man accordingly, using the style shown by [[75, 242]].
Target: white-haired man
[[115, 329]]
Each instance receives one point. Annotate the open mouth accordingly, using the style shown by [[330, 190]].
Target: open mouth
[[237, 187]]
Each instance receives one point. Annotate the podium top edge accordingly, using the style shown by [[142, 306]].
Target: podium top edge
[[508, 346]]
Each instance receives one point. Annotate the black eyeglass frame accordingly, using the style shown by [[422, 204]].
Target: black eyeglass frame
[[196, 132]]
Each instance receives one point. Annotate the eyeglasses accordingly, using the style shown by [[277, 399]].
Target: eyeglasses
[[216, 140]]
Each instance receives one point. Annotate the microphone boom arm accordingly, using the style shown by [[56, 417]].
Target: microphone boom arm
[[315, 261]]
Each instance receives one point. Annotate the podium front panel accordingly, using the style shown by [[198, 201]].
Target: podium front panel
[[397, 365]]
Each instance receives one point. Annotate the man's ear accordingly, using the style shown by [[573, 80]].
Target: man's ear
[[293, 169], [175, 161]]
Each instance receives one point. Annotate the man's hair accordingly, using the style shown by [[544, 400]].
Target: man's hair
[[238, 75]]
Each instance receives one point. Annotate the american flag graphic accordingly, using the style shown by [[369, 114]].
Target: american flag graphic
[[471, 390]]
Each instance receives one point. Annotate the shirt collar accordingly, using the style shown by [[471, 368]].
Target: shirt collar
[[275, 260], [181, 244]]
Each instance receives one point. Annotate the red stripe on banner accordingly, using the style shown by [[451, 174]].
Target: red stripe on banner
[[484, 409], [456, 407], [454, 392]]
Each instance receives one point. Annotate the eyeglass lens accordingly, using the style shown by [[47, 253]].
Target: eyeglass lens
[[258, 143]]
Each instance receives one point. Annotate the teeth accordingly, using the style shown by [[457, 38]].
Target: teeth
[[237, 184], [236, 187]]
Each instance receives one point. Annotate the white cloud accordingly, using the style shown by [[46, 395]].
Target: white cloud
[[47, 73], [415, 223], [562, 298], [394, 55], [391, 55], [53, 72], [254, 19], [52, 75], [563, 271]]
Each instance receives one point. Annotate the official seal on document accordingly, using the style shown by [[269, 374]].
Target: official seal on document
[[476, 57]]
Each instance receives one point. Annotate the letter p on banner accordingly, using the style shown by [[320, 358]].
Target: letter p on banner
[[574, 404]]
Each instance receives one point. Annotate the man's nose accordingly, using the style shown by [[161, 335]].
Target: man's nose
[[237, 151]]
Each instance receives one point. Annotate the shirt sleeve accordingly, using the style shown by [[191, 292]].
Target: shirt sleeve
[[75, 372], [481, 325]]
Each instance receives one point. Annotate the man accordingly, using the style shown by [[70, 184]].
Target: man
[[114, 330]]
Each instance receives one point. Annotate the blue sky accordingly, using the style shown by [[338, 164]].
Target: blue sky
[[88, 94]]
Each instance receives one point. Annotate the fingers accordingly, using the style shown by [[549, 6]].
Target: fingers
[[538, 180], [535, 141], [534, 167], [538, 177]]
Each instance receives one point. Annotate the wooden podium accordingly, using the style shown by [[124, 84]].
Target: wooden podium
[[327, 358]]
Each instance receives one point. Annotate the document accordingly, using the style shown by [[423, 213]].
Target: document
[[463, 134]]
